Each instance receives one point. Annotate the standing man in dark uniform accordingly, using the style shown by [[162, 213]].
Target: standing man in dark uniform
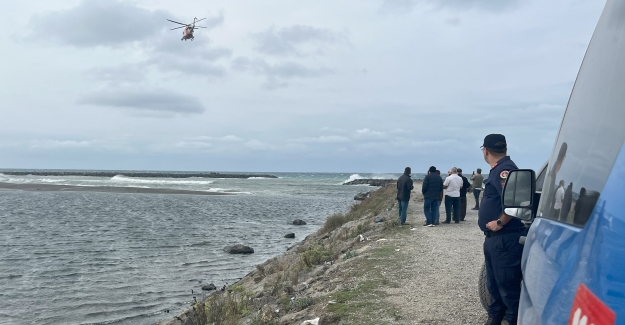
[[502, 250]]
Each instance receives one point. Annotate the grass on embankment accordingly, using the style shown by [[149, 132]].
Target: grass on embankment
[[330, 275]]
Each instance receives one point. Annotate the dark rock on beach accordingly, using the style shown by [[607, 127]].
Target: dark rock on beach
[[361, 196], [299, 222], [378, 219], [239, 249], [291, 235], [371, 182], [209, 287]]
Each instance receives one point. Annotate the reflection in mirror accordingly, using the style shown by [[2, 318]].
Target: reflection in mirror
[[521, 213], [518, 191]]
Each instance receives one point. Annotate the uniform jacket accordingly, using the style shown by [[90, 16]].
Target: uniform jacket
[[490, 206]]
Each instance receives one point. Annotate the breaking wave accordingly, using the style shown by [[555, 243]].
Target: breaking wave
[[124, 179], [354, 177]]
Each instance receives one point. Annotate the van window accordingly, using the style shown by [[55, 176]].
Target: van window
[[540, 179], [591, 134]]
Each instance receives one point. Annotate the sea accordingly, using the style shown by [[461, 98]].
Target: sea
[[128, 258]]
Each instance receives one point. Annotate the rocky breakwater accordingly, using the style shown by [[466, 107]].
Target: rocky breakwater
[[134, 174], [371, 182], [312, 282]]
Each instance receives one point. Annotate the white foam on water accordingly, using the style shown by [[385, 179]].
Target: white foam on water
[[353, 177], [124, 179], [383, 176], [225, 190]]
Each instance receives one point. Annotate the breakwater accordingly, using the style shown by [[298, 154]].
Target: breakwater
[[371, 182], [135, 174]]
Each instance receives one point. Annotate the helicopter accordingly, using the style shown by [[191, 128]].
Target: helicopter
[[188, 28]]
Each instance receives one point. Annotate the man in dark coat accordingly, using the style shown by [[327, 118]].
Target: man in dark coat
[[566, 203], [404, 186], [463, 195], [432, 190]]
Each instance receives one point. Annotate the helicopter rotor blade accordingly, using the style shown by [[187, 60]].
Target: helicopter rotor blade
[[200, 27], [178, 27], [199, 20], [176, 22]]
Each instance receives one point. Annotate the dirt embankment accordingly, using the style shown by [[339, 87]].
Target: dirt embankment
[[358, 271]]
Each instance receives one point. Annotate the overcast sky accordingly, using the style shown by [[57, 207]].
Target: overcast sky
[[337, 86]]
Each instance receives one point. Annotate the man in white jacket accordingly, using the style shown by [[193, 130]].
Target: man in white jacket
[[559, 196], [452, 185]]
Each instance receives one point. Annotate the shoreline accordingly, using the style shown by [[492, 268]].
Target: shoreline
[[135, 174], [101, 189], [286, 289], [355, 270]]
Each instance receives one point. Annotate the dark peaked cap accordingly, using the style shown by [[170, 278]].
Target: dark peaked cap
[[495, 141]]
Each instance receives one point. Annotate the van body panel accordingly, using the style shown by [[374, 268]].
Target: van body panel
[[578, 236]]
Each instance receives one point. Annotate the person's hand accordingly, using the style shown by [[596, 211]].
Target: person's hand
[[493, 226]]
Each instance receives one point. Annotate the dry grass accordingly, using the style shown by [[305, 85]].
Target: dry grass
[[224, 309], [279, 274], [379, 201]]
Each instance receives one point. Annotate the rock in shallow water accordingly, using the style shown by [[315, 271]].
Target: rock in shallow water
[[209, 287], [290, 235], [299, 222], [239, 249], [362, 196]]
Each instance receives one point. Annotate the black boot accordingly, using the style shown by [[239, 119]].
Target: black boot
[[493, 321]]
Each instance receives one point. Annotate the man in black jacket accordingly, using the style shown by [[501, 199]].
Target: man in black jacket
[[463, 195], [432, 190], [404, 186]]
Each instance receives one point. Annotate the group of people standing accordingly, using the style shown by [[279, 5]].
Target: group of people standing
[[502, 250], [454, 192]]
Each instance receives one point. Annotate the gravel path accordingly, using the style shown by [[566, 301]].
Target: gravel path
[[439, 276]]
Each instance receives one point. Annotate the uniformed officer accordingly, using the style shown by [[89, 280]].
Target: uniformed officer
[[502, 250]]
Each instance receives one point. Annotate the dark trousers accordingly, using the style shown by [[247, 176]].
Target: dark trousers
[[430, 209], [476, 193], [503, 275], [452, 203], [403, 209], [463, 207]]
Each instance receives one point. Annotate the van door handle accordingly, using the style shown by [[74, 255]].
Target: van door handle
[[522, 240]]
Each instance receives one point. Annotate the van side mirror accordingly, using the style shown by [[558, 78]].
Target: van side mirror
[[518, 194]]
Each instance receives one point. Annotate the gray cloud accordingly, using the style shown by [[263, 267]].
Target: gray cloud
[[194, 58], [98, 23], [486, 5], [154, 100], [167, 54], [187, 66], [121, 73], [291, 40], [199, 48], [277, 73]]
